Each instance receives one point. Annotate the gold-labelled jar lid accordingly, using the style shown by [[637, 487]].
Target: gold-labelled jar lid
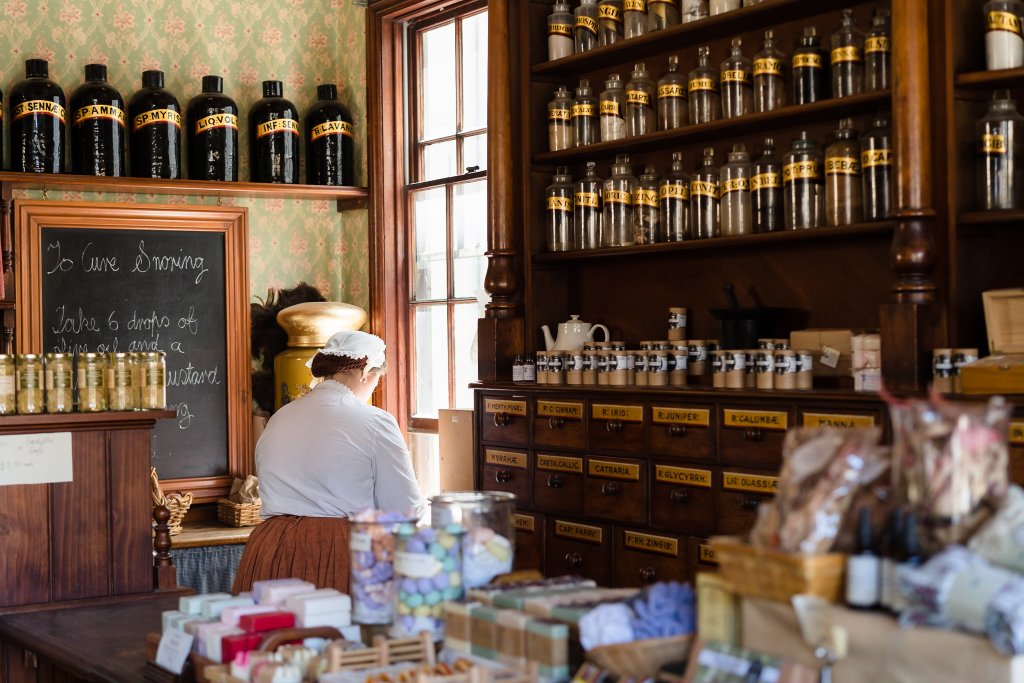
[[119, 355], [6, 356], [91, 356], [151, 355], [58, 356], [28, 357], [312, 323]]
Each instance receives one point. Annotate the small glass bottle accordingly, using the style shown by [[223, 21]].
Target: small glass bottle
[[704, 212], [661, 14], [705, 102], [617, 225], [30, 382], [646, 217], [847, 58], [769, 76], [999, 134], [609, 22], [810, 80], [559, 120], [634, 18], [844, 204], [692, 10], [737, 86], [672, 107], [674, 200], [586, 26], [558, 212], [154, 381], [613, 109], [584, 115], [640, 115], [60, 383], [766, 190], [876, 169], [587, 208], [120, 395], [92, 390], [802, 181], [734, 189], [560, 32], [1004, 42], [723, 6], [8, 384], [878, 53]]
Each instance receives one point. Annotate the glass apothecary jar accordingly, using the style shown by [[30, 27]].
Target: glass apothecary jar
[[152, 380], [8, 385], [428, 572], [60, 376], [372, 544], [489, 540], [30, 384], [119, 382], [92, 382]]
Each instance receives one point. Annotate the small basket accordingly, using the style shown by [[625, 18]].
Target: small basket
[[641, 659], [176, 503], [776, 575], [239, 514]]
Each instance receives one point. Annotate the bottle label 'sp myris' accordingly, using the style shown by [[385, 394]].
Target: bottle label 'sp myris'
[[39, 107], [148, 118], [216, 121], [99, 111], [277, 126], [330, 128]]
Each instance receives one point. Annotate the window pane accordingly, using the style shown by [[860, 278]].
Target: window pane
[[466, 316], [437, 82], [474, 72], [430, 339], [426, 461], [470, 235], [474, 151], [429, 233], [439, 160]]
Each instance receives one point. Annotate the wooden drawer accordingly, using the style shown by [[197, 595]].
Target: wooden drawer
[[509, 471], [558, 483], [504, 420], [576, 548], [615, 489], [559, 423], [1017, 452], [699, 556], [682, 431], [683, 498], [740, 494], [529, 541], [752, 438], [616, 427], [642, 557]]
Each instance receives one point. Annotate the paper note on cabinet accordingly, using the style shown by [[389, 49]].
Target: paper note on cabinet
[[35, 458]]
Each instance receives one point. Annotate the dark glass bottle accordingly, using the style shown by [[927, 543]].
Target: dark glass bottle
[[212, 121], [847, 58], [705, 101], [586, 26], [99, 141], [704, 198], [844, 204], [672, 106], [38, 121], [1000, 134], [274, 137], [329, 140], [802, 184], [810, 75], [878, 53], [766, 190], [584, 115], [155, 117], [769, 76], [737, 84], [674, 200], [876, 169]]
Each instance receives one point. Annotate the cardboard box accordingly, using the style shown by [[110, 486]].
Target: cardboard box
[[1004, 320], [455, 432], [832, 349]]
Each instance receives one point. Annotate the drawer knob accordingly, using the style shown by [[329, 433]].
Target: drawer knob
[[555, 423], [574, 560], [679, 495], [753, 434], [648, 574], [503, 476], [613, 426], [611, 488], [556, 481], [501, 419], [677, 430], [750, 502]]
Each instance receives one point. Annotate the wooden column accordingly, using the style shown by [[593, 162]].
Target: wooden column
[[914, 322], [500, 331], [6, 242]]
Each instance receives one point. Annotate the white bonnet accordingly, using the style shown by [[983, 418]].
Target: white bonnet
[[355, 344]]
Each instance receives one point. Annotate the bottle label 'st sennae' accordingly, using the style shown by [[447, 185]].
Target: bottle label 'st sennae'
[[850, 53], [703, 84], [588, 23], [875, 157], [590, 199], [768, 66], [801, 170], [582, 110], [764, 181], [638, 97], [39, 107], [807, 60], [559, 204], [617, 197], [330, 128], [842, 166], [877, 44], [735, 185], [216, 121], [559, 30], [674, 192], [277, 126], [99, 111], [1003, 21], [148, 118]]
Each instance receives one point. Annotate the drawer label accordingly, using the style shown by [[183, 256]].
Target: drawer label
[[841, 421], [1017, 432], [683, 475], [524, 523], [580, 532], [559, 463], [680, 416], [602, 411], [498, 405], [506, 458], [765, 419], [706, 554], [610, 469], [652, 544], [758, 483], [557, 409]]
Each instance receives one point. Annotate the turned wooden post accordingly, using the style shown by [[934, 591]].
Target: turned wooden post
[[6, 241], [165, 577]]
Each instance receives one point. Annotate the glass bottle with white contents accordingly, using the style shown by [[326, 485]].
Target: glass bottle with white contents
[[560, 32], [734, 192], [612, 107]]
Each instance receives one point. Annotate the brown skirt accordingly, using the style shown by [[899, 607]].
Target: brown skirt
[[313, 549]]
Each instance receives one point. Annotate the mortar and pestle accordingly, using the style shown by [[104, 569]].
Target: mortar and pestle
[[742, 327]]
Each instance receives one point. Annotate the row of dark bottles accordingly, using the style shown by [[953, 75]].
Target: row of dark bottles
[[103, 129]]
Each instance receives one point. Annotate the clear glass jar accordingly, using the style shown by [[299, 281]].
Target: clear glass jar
[[766, 190], [584, 115], [137, 379], [734, 190], [558, 212], [674, 199], [661, 14], [120, 395], [8, 385], [372, 547], [92, 386], [1000, 147], [705, 101], [844, 203], [722, 6], [737, 83], [692, 10], [560, 32], [847, 58], [617, 225], [704, 198], [769, 76], [613, 109], [634, 18], [488, 547], [878, 53], [428, 572], [802, 184], [672, 106], [154, 381], [1004, 42], [609, 22], [60, 383], [587, 208], [30, 382], [646, 217], [810, 74], [586, 26], [876, 169], [559, 120], [640, 115]]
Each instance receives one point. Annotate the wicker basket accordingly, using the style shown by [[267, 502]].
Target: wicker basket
[[176, 503], [238, 514], [776, 575], [641, 659]]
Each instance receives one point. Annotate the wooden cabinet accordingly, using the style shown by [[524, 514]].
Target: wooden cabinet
[[574, 547]]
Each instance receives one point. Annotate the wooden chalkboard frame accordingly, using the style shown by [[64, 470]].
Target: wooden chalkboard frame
[[33, 216]]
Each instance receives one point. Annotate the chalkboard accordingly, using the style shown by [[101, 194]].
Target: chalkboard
[[106, 285]]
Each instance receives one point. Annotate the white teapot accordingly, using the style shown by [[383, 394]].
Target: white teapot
[[572, 334]]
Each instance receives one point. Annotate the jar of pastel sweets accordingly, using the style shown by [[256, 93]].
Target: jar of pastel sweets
[[488, 518], [428, 572], [372, 543]]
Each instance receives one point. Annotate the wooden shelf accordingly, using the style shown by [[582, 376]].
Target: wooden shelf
[[110, 419], [824, 110], [753, 18], [990, 80], [822, 233], [995, 217]]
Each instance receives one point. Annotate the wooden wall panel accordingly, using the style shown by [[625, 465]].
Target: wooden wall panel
[[25, 555], [131, 558]]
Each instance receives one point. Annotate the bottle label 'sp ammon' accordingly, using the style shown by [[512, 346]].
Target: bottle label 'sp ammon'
[[148, 118], [99, 111], [277, 126], [330, 128], [807, 60], [768, 66], [39, 107], [216, 121], [587, 23]]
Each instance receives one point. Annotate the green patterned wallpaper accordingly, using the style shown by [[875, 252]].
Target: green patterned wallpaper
[[300, 42]]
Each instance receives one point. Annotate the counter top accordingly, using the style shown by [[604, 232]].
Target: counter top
[[209, 533]]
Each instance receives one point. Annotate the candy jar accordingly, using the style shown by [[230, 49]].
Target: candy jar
[[488, 546], [428, 572], [372, 543]]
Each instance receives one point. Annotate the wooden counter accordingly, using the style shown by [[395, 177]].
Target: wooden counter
[[209, 533]]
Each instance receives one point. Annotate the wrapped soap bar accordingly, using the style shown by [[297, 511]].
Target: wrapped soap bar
[[485, 594], [209, 636], [277, 594], [338, 620], [193, 604], [457, 625], [570, 606], [243, 663], [484, 632], [511, 638], [170, 617], [323, 601], [547, 644], [269, 621], [232, 614], [517, 599], [213, 608], [191, 627], [232, 645]]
